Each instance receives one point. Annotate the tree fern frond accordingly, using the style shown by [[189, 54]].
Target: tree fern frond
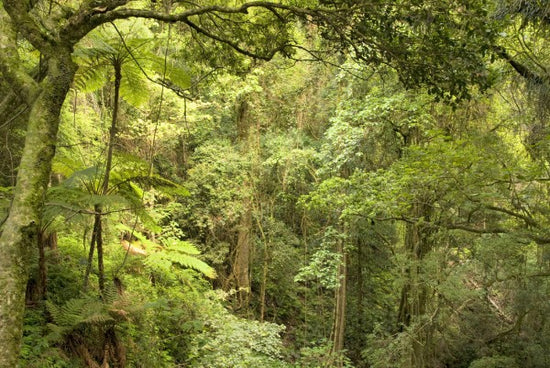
[[133, 87], [129, 165], [158, 262], [163, 185], [78, 311], [92, 76], [94, 45], [181, 246], [65, 165], [89, 174], [196, 264], [181, 253], [137, 234], [170, 70]]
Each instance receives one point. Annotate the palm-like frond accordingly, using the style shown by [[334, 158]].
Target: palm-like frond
[[79, 192], [180, 253], [75, 314], [134, 88], [170, 70], [88, 311]]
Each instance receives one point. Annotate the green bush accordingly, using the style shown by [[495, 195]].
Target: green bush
[[495, 361]]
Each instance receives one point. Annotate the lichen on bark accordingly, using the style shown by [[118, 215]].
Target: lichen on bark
[[18, 239]]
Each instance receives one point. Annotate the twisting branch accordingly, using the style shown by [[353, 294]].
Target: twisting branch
[[88, 18], [528, 219], [520, 68], [235, 45]]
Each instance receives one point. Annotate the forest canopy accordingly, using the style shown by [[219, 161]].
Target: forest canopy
[[297, 183]]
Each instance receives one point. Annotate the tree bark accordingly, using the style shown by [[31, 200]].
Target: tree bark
[[414, 294], [241, 266], [105, 184], [99, 245], [19, 235], [339, 326], [49, 240], [241, 263]]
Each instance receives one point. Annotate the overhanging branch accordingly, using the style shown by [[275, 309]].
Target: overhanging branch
[[88, 18], [520, 68]]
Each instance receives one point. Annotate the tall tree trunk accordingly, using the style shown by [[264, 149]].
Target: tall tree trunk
[[263, 287], [414, 294], [241, 266], [90, 255], [339, 326], [45, 240], [113, 130], [97, 236], [99, 245], [265, 260], [243, 248], [19, 233]]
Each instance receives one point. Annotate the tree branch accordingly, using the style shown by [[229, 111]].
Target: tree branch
[[528, 220], [24, 23], [23, 85], [234, 45], [521, 69], [88, 18], [474, 230]]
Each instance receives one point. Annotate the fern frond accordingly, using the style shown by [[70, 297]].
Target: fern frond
[[161, 184], [174, 73], [66, 164], [142, 238], [92, 76], [181, 246], [158, 262], [77, 312], [133, 87], [188, 261], [89, 174], [181, 253]]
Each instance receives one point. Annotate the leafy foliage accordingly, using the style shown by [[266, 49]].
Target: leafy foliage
[[228, 341]]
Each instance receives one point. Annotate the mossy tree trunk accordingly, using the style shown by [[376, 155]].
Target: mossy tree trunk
[[20, 231], [243, 247], [415, 294]]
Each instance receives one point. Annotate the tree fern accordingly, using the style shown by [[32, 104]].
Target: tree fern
[[134, 88], [80, 315], [97, 51], [75, 314], [97, 54]]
